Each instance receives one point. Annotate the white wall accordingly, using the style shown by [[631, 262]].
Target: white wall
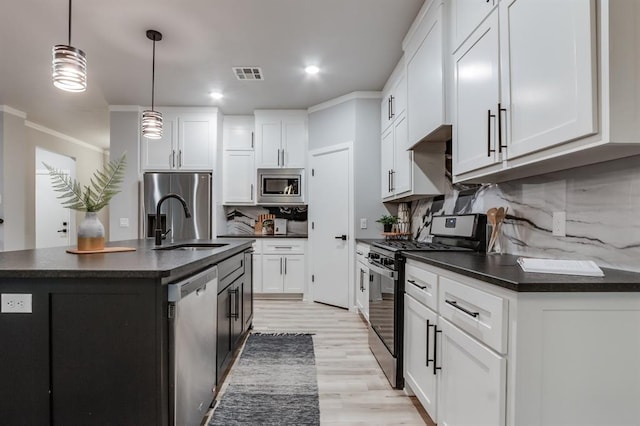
[[19, 139], [357, 120], [125, 137]]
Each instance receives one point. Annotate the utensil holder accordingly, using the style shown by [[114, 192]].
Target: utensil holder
[[494, 239]]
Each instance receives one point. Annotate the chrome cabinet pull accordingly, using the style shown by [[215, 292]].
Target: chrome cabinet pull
[[173, 158], [251, 192], [180, 158], [429, 325], [466, 311], [393, 113], [280, 266], [251, 140]]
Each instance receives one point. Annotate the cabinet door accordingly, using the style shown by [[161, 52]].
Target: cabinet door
[[238, 133], [549, 85], [425, 85], [257, 273], [223, 341], [238, 177], [473, 377], [402, 159], [161, 154], [294, 142], [272, 273], [385, 112], [466, 15], [386, 162], [247, 291], [197, 140], [399, 100], [420, 323], [294, 273], [268, 143], [477, 94]]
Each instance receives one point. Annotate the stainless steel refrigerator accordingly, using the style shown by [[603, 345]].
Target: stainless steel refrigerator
[[195, 188]]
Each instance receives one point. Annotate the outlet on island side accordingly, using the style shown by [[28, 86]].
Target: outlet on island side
[[559, 224], [13, 303], [363, 223]]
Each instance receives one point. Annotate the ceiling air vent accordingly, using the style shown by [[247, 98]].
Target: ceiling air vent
[[248, 73]]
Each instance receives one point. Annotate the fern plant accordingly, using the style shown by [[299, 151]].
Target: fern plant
[[104, 185]]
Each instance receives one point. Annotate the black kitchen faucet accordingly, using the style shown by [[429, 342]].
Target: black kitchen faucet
[[158, 230]]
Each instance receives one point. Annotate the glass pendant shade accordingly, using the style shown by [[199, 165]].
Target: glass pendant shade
[[152, 124], [69, 68]]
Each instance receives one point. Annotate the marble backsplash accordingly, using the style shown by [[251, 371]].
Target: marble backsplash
[[601, 201], [242, 219]]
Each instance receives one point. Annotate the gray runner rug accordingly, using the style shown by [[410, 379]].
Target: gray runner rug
[[273, 383]]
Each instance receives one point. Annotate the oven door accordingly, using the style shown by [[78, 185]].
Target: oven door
[[382, 304]]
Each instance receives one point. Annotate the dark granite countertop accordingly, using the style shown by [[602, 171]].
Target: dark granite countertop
[[502, 270], [144, 262], [259, 236], [368, 240]]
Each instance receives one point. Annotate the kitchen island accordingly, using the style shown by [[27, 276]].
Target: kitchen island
[[95, 347]]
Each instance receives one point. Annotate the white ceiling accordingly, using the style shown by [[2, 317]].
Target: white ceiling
[[355, 42]]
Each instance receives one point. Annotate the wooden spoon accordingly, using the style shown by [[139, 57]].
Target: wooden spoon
[[500, 215], [492, 218]]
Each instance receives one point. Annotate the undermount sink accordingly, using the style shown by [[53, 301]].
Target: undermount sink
[[192, 246]]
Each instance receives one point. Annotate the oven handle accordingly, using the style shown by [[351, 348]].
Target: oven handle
[[382, 271]]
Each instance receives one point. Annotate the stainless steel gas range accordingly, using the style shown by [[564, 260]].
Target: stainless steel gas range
[[386, 291]]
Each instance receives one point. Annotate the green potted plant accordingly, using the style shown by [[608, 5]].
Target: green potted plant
[[91, 199], [387, 222]]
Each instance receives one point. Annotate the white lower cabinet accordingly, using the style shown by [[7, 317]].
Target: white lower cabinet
[[420, 374], [283, 266], [472, 383], [363, 279], [502, 357]]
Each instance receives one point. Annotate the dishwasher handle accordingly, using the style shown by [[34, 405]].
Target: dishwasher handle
[[196, 283]]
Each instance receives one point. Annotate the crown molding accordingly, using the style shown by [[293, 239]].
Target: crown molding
[[57, 134], [345, 98]]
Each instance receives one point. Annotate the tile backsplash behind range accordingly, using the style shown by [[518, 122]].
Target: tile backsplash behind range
[[601, 201], [242, 219]]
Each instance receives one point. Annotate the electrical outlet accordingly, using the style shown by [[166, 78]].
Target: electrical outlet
[[15, 303], [559, 224], [363, 223], [124, 222]]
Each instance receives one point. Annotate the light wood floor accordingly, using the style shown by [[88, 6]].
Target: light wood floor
[[353, 389]]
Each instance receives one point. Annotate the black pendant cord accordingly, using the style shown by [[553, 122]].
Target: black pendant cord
[[69, 23], [153, 74]]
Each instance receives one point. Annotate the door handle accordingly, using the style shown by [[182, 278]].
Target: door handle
[[63, 230], [341, 237]]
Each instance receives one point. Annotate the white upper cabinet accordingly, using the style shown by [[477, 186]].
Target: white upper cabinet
[[549, 89], [565, 95], [238, 160], [188, 142], [238, 133], [477, 94], [466, 16], [424, 50], [281, 138], [394, 100]]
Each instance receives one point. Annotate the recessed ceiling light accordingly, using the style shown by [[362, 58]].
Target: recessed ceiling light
[[312, 69], [216, 95]]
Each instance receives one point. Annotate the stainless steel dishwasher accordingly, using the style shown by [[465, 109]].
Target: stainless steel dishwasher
[[192, 346]]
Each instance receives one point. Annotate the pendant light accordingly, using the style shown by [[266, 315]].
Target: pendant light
[[69, 65], [151, 119]]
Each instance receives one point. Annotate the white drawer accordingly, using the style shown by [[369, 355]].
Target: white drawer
[[422, 285], [283, 246], [481, 314], [362, 252]]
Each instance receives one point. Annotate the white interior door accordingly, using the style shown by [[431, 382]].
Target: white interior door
[[55, 225], [330, 212]]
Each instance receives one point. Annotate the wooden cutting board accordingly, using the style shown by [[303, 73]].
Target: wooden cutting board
[[104, 250]]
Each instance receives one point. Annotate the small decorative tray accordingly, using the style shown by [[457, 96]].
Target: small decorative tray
[[396, 235]]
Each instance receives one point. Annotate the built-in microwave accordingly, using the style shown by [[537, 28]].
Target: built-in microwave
[[280, 186]]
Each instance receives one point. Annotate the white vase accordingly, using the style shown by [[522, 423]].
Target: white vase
[[90, 233]]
